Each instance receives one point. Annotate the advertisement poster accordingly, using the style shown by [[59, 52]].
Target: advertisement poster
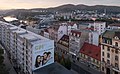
[[42, 54]]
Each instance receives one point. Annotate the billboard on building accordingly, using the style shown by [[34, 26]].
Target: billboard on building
[[42, 54]]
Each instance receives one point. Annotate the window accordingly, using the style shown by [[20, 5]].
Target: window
[[108, 48], [116, 44], [116, 51], [81, 55], [116, 58], [102, 68], [108, 61], [108, 55], [116, 38], [102, 53], [108, 42], [103, 47], [93, 60], [116, 65], [103, 60], [97, 62]]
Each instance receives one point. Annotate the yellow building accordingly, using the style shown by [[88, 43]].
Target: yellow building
[[91, 56], [110, 52]]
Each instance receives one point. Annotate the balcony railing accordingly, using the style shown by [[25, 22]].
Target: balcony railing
[[113, 46], [116, 69]]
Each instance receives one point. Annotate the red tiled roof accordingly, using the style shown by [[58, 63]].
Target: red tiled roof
[[92, 29], [91, 50], [64, 38]]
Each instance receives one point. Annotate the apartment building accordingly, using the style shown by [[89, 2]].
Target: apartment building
[[100, 27], [76, 40], [114, 26], [63, 44], [71, 26], [110, 48], [59, 29], [55, 32], [25, 47], [94, 38]]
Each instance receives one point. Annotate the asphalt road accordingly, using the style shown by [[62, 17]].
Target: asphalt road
[[79, 69]]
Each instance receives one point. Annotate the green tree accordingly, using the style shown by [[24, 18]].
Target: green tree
[[68, 63], [56, 57], [2, 66], [1, 51], [62, 61], [1, 59]]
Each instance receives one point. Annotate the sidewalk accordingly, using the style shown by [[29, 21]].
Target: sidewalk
[[88, 69]]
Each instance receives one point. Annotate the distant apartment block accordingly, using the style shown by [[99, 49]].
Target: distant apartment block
[[100, 27], [56, 32], [113, 26]]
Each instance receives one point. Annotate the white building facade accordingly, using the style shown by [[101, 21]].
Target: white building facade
[[100, 27], [24, 47]]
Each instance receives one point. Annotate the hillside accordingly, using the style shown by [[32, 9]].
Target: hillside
[[63, 8]]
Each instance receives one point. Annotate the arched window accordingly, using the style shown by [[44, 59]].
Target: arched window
[[116, 65], [116, 44]]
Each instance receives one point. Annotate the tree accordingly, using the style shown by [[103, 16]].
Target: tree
[[1, 59], [1, 56], [68, 63], [1, 51], [56, 57], [62, 62], [2, 66]]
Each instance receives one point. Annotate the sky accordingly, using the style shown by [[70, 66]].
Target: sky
[[27, 4]]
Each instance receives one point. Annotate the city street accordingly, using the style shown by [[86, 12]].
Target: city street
[[84, 68], [80, 67]]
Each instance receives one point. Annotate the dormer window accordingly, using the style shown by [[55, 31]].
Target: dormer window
[[116, 38], [74, 34], [78, 35]]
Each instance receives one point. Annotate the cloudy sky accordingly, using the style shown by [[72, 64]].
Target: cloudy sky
[[15, 4]]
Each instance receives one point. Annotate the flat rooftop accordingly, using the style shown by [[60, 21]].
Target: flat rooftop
[[23, 33], [54, 68], [20, 31]]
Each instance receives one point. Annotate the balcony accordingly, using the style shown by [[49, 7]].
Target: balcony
[[106, 44], [116, 69], [113, 46], [116, 47], [73, 42]]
